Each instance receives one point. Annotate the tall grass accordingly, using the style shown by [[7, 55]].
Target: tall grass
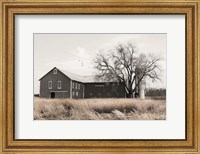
[[99, 109]]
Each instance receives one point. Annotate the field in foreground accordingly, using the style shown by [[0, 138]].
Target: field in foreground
[[99, 109]]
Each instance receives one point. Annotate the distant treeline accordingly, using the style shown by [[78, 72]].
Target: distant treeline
[[156, 93]]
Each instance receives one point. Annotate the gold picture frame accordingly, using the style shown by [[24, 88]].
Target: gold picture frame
[[9, 8]]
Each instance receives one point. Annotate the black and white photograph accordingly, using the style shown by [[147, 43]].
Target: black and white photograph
[[100, 76]]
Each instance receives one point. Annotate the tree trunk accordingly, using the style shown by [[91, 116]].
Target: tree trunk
[[129, 95], [137, 95]]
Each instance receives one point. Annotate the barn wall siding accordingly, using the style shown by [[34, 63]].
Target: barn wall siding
[[45, 92], [77, 92], [104, 90]]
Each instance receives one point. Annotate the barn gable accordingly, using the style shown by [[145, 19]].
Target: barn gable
[[55, 84], [51, 71]]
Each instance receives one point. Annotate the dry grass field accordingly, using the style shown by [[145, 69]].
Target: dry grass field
[[99, 109]]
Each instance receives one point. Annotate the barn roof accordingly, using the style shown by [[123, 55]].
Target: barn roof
[[79, 78], [75, 77]]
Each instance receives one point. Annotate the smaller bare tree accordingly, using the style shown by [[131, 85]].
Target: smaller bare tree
[[147, 67]]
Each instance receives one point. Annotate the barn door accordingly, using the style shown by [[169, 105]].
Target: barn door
[[52, 94]]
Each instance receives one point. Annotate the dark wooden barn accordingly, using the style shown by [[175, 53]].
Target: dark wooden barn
[[104, 90], [59, 83]]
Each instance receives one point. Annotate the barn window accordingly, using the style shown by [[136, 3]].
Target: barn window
[[50, 84], [73, 85], [55, 71], [78, 86], [76, 93], [59, 84], [73, 93]]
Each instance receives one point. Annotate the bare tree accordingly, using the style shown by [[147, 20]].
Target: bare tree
[[147, 67], [123, 65]]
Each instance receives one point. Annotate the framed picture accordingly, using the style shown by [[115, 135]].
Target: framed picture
[[99, 76]]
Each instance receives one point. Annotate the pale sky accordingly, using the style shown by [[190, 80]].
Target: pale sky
[[75, 52]]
